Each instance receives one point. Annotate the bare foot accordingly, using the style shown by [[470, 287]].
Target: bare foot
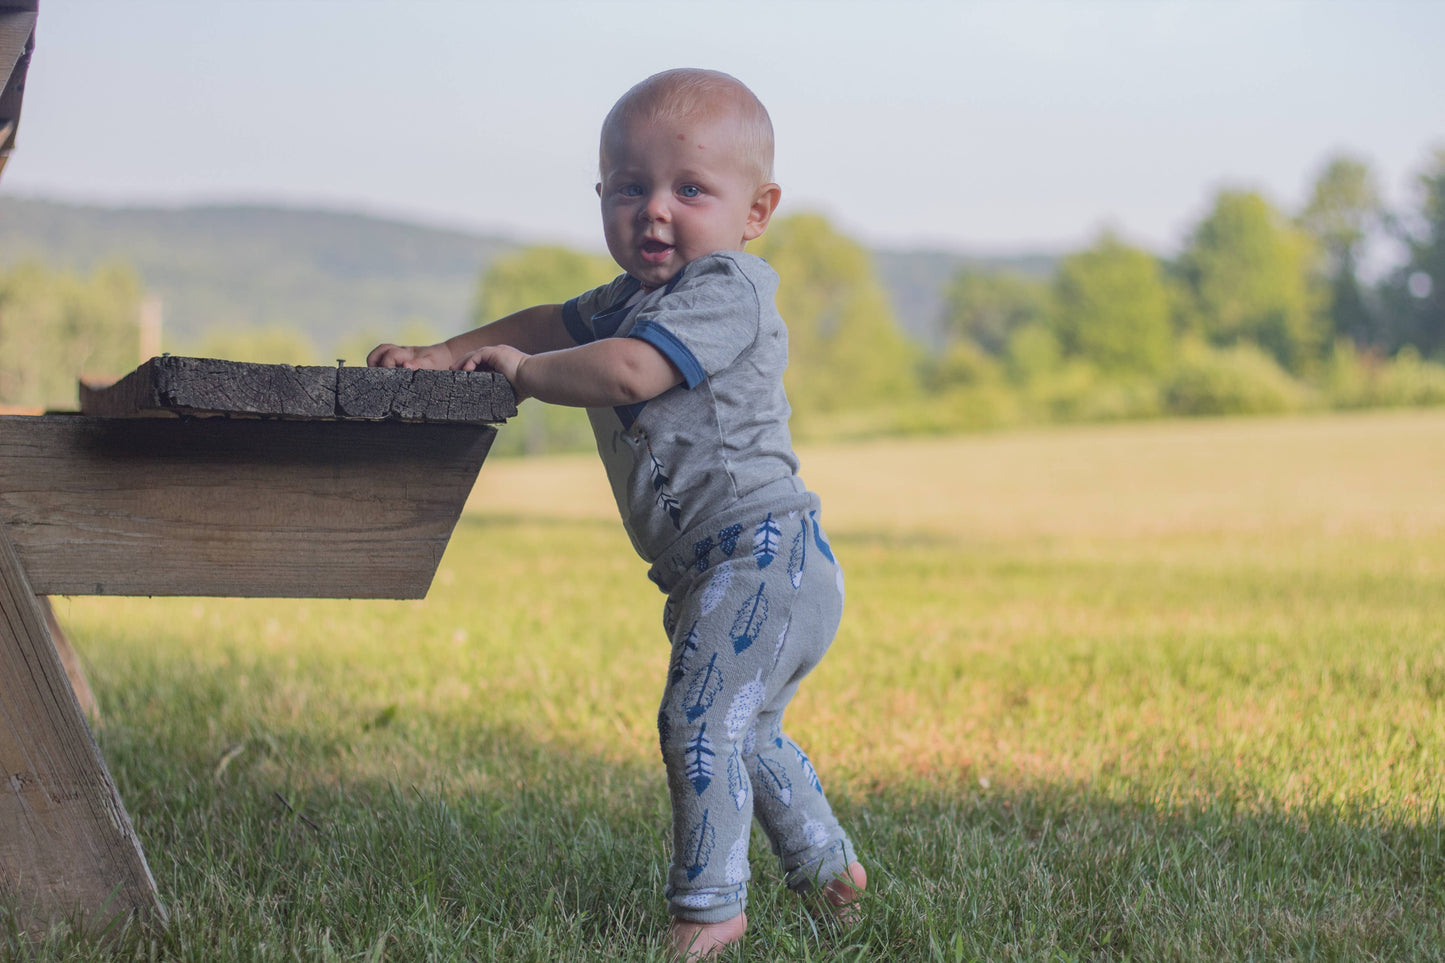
[[842, 894], [696, 941]]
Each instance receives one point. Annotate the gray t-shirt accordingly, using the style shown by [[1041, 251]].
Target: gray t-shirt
[[698, 448]]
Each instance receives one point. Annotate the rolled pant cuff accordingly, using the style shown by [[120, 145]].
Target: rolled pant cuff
[[708, 914], [822, 865]]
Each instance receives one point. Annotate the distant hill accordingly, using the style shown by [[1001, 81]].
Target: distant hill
[[329, 273], [334, 274]]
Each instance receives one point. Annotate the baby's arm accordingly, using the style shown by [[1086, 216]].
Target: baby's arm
[[605, 373], [534, 329]]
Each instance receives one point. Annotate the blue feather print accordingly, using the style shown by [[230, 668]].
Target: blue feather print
[[679, 662], [775, 781], [706, 683], [737, 780], [748, 624], [798, 556], [701, 553], [700, 843], [697, 760], [727, 539], [809, 773], [664, 729], [820, 539], [765, 541], [669, 617], [665, 498]]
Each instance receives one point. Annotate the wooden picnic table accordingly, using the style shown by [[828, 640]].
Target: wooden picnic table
[[199, 477]]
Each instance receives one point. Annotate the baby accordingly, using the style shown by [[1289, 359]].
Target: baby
[[679, 362]]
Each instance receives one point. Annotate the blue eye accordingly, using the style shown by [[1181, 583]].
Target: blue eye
[[631, 190], [689, 190]]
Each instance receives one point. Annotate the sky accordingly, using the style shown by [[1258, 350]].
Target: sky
[[979, 127]]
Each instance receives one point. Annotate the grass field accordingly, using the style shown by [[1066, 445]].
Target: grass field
[[1172, 691]]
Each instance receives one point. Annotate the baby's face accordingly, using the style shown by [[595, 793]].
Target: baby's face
[[673, 192]]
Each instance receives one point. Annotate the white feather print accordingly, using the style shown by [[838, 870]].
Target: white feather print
[[744, 706], [750, 741], [815, 833], [717, 588], [778, 649], [841, 593], [736, 867], [695, 900], [737, 779]]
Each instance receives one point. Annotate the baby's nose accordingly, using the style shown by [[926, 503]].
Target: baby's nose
[[657, 208]]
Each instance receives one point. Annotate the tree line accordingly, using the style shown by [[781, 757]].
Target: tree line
[[1262, 310]]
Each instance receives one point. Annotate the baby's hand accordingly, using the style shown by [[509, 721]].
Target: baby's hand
[[400, 356], [503, 359]]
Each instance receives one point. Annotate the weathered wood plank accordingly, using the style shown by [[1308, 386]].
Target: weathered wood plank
[[445, 396], [17, 40], [206, 386], [67, 847], [16, 26], [233, 507], [211, 386]]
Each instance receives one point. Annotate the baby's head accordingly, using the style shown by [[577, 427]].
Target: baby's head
[[686, 160], [690, 94]]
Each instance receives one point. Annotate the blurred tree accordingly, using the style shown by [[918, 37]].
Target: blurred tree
[[1113, 308], [1343, 209], [986, 307], [1250, 278], [845, 348], [269, 344], [1415, 294], [541, 274], [57, 327]]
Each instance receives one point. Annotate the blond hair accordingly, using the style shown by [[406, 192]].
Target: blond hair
[[689, 93]]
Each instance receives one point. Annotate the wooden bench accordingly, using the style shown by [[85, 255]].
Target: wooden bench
[[199, 477]]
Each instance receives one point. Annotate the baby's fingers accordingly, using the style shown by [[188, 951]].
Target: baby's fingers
[[386, 356]]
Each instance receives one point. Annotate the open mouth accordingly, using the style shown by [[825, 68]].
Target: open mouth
[[655, 251]]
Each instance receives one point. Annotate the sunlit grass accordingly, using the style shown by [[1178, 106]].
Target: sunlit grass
[[1170, 691]]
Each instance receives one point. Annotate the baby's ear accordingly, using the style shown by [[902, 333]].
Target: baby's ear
[[599, 188], [764, 204]]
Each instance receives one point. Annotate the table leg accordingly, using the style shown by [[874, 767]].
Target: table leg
[[67, 848]]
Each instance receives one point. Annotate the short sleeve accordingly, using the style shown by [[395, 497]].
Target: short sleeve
[[577, 314], [710, 315]]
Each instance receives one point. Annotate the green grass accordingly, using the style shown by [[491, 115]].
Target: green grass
[[1160, 692]]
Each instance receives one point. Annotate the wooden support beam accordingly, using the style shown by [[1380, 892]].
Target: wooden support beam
[[232, 506], [17, 41], [206, 386], [67, 849]]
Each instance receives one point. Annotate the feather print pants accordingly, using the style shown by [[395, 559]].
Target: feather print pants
[[757, 612]]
